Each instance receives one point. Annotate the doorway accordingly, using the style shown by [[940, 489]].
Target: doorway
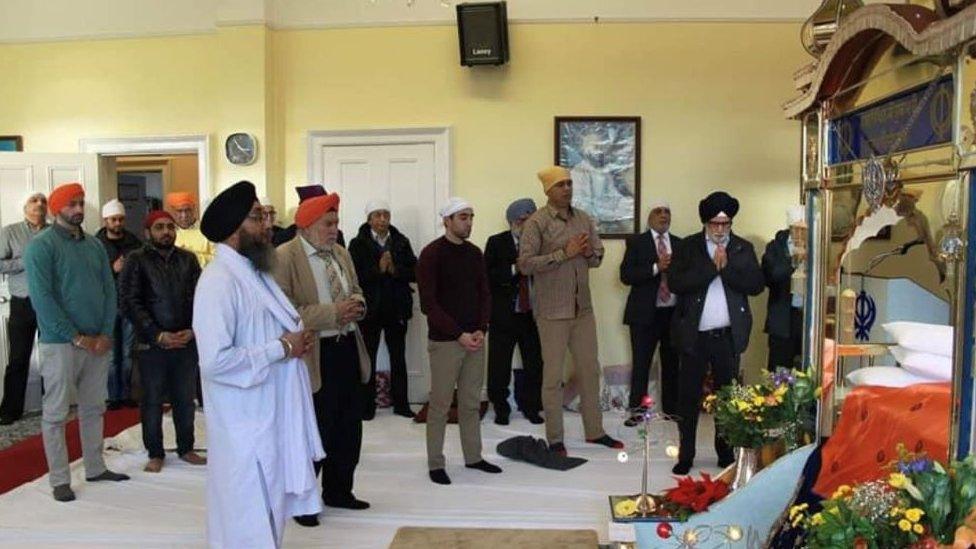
[[410, 169]]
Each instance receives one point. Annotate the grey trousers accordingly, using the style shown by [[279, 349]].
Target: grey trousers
[[69, 372], [451, 366]]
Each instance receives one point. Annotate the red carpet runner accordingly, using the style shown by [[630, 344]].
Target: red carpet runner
[[24, 461]]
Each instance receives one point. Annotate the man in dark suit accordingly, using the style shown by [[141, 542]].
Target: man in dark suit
[[713, 272], [784, 309], [649, 310], [512, 322], [386, 265]]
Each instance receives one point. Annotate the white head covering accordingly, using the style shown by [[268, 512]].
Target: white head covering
[[454, 205], [656, 203], [31, 194], [376, 205], [266, 201], [113, 207], [795, 215]]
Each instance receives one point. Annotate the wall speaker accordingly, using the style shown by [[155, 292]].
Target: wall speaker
[[483, 33]]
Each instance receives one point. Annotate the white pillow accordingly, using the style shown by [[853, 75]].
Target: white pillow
[[935, 367], [918, 336], [884, 376]]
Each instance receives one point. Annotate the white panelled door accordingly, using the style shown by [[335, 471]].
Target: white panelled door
[[404, 175], [21, 173]]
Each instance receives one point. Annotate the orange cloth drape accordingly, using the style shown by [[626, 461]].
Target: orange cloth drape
[[873, 421]]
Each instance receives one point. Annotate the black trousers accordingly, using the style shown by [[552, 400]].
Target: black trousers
[[21, 329], [783, 351], [644, 340], [395, 334], [713, 350], [339, 411], [502, 340], [171, 372]]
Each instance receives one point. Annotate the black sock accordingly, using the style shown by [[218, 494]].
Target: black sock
[[485, 466], [439, 476]]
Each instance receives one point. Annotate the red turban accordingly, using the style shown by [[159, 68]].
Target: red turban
[[314, 208], [62, 195], [180, 199], [155, 216]]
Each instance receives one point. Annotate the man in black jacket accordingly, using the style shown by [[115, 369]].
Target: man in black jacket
[[713, 272], [649, 310], [118, 242], [385, 264], [784, 310], [156, 295], [512, 322]]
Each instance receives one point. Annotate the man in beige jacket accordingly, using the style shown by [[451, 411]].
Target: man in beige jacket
[[318, 276]]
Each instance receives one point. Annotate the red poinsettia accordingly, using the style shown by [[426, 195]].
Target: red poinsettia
[[697, 495]]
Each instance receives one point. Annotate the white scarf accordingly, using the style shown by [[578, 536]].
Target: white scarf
[[301, 444]]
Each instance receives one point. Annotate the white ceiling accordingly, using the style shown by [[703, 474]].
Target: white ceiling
[[42, 20]]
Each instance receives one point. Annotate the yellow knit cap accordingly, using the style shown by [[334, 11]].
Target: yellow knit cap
[[552, 175]]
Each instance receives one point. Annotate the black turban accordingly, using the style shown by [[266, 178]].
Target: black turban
[[227, 211], [715, 203]]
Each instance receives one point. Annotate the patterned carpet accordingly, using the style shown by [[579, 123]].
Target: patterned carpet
[[28, 426]]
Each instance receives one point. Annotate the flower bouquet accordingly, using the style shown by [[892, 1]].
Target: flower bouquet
[[921, 504], [678, 503]]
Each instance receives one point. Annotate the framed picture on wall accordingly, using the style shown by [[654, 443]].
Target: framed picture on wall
[[11, 143], [603, 155]]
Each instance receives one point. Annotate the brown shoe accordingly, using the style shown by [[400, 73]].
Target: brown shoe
[[194, 458], [155, 465]]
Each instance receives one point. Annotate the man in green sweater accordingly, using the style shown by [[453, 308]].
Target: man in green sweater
[[73, 292]]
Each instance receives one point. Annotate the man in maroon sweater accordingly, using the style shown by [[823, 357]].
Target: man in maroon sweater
[[455, 297]]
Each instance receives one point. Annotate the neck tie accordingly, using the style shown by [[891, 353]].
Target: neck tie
[[332, 271], [663, 293]]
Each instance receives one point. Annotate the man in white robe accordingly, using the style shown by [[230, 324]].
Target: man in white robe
[[262, 435]]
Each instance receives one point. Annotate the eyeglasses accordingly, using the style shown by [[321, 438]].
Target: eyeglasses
[[257, 217]]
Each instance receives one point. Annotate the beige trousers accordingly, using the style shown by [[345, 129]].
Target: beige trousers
[[451, 366], [578, 335]]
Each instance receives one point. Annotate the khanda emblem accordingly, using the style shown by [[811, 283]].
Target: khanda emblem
[[865, 313]]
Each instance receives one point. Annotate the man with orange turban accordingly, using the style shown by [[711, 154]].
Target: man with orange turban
[[72, 290], [184, 208], [317, 275]]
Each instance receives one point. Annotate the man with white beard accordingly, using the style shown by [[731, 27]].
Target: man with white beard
[[261, 432]]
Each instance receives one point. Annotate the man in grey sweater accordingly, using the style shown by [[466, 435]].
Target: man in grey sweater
[[22, 324]]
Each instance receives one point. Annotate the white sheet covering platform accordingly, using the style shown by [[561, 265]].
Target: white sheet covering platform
[[168, 509]]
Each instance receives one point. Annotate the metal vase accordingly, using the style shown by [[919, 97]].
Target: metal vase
[[746, 466]]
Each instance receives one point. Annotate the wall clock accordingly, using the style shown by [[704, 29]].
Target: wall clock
[[241, 148]]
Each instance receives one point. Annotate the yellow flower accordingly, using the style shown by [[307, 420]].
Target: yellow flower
[[841, 491], [625, 508], [897, 480], [798, 509], [895, 511], [816, 520], [741, 405], [711, 398], [780, 391], [757, 401], [918, 529], [835, 510], [904, 525], [817, 392], [914, 514]]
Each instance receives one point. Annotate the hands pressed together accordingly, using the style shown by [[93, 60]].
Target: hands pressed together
[[578, 245], [472, 341]]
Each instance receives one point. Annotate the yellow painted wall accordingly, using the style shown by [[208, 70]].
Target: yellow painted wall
[[708, 94]]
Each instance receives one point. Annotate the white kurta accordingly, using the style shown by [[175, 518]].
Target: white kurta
[[261, 432]]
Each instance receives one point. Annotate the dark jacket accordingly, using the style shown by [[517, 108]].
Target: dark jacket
[[156, 292], [637, 271], [114, 248], [777, 266], [500, 257], [389, 298], [692, 271], [281, 235]]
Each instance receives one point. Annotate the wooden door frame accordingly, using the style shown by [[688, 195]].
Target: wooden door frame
[[173, 144]]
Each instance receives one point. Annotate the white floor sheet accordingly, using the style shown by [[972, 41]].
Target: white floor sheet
[[168, 509]]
